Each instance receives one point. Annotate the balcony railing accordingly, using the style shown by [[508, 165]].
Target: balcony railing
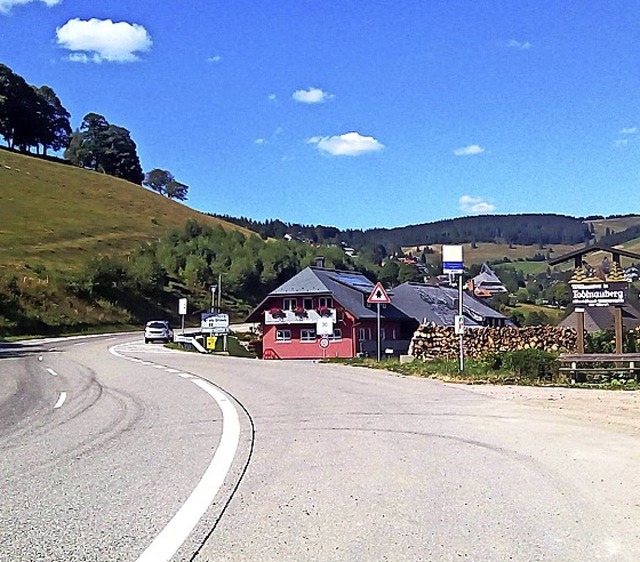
[[291, 317]]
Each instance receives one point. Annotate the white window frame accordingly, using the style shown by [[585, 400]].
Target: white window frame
[[337, 334], [325, 302], [363, 333], [289, 303], [307, 303], [383, 334], [308, 335], [283, 335]]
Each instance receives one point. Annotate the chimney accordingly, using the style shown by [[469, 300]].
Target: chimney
[[319, 261]]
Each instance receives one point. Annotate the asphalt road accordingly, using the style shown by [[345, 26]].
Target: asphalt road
[[326, 463]]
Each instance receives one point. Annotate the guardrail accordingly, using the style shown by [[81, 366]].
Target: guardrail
[[189, 340]]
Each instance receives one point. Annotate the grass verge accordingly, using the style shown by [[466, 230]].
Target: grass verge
[[479, 372]]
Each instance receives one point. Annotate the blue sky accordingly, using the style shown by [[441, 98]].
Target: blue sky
[[351, 113]]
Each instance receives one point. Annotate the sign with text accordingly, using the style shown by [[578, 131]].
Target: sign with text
[[452, 260], [599, 294], [214, 323]]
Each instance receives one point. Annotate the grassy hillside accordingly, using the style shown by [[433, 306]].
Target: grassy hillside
[[59, 216], [617, 224], [488, 251]]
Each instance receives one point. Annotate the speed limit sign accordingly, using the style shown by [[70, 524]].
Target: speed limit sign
[[324, 343]]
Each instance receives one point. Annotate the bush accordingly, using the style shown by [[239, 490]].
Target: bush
[[604, 341], [531, 364]]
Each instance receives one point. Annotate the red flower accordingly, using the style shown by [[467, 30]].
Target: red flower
[[276, 312]]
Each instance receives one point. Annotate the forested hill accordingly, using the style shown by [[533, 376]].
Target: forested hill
[[509, 229]]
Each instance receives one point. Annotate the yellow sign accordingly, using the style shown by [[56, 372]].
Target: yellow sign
[[211, 342]]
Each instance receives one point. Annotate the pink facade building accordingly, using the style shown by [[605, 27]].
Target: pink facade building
[[323, 313]]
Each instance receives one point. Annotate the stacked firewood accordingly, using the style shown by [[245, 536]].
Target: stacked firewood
[[430, 341]]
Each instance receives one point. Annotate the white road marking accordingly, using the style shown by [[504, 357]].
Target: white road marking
[[61, 399], [52, 372], [170, 539]]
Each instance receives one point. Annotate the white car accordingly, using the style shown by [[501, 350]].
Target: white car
[[158, 330]]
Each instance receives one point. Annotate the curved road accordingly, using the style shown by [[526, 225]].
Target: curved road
[[113, 450]]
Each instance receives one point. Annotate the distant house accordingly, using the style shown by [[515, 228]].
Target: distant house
[[631, 274], [351, 252], [290, 317], [599, 318], [438, 304], [486, 283]]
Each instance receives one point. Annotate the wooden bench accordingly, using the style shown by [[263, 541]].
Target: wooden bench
[[579, 365]]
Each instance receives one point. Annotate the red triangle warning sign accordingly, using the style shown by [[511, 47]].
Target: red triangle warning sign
[[378, 295]]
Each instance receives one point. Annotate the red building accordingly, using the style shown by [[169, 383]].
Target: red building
[[320, 300]]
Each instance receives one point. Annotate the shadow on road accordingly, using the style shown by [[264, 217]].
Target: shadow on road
[[13, 350]]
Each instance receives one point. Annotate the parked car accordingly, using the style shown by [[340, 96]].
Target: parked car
[[158, 330]]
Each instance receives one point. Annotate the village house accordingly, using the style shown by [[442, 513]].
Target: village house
[[291, 314], [598, 318], [486, 283], [437, 304]]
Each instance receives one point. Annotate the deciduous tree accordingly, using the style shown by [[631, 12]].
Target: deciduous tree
[[165, 183], [106, 148]]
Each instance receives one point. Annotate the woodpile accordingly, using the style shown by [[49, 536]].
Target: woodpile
[[430, 341]]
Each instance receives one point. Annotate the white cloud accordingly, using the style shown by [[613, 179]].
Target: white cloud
[[629, 131], [79, 57], [469, 150], [475, 205], [520, 45], [214, 58], [260, 141], [103, 40], [312, 95], [6, 5], [349, 144], [272, 97], [622, 142]]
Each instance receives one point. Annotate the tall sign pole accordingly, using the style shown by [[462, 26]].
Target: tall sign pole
[[453, 264], [379, 333], [460, 324], [379, 296]]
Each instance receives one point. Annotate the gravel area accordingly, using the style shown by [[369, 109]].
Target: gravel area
[[620, 409]]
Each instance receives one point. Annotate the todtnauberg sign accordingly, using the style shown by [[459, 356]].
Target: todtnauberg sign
[[599, 294]]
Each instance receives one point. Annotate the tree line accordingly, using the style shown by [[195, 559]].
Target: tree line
[[34, 119], [525, 229], [193, 257], [31, 117]]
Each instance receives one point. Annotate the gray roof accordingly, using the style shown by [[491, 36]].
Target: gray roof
[[598, 318], [439, 304], [306, 282], [349, 288], [487, 278]]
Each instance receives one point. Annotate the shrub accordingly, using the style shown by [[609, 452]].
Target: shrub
[[531, 364]]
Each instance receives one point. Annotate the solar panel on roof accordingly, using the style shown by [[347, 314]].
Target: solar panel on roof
[[354, 281]]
